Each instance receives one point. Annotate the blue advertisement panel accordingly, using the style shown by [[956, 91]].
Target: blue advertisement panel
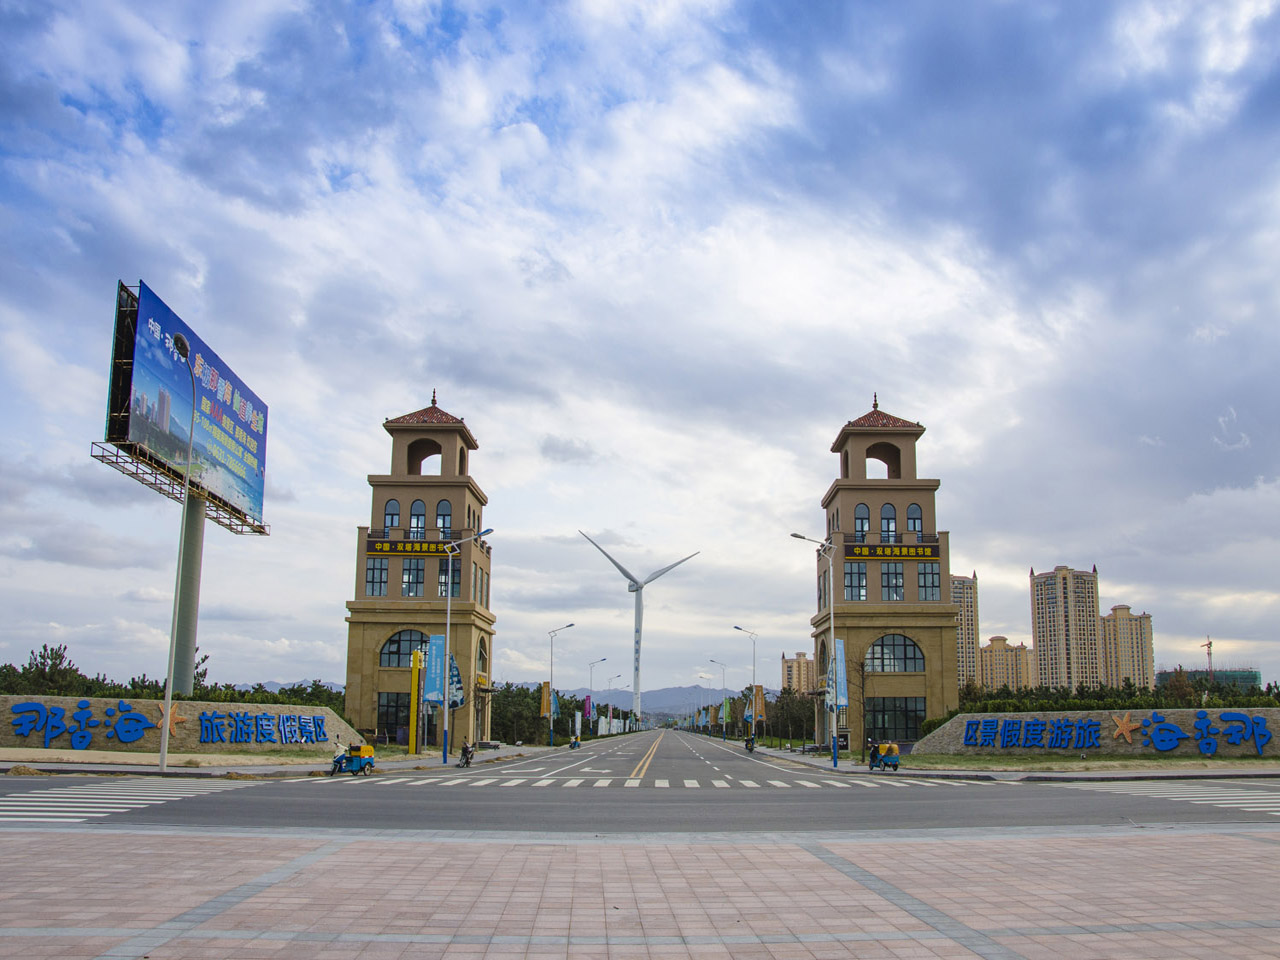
[[229, 445], [842, 679], [433, 673]]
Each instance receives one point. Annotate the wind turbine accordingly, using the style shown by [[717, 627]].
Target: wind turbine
[[636, 585]]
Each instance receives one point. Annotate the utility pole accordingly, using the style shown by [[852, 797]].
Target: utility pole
[[1208, 645]]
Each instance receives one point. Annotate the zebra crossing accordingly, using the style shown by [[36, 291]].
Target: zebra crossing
[[1245, 795], [102, 797], [657, 783]]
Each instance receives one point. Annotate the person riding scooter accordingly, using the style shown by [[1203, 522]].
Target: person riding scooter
[[750, 743], [339, 751], [466, 753]]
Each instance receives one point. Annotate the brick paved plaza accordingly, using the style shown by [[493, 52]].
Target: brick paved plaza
[[1039, 893]]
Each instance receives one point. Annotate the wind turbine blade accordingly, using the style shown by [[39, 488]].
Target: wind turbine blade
[[621, 569], [657, 573]]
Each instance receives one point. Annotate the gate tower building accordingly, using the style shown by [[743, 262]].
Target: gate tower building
[[892, 604], [404, 575]]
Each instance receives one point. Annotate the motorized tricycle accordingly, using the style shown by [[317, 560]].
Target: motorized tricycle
[[357, 760], [884, 756]]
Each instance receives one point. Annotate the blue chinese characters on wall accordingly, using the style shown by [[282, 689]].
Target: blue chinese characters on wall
[[1159, 733], [126, 725]]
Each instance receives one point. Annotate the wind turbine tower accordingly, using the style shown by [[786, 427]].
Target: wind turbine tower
[[636, 585]]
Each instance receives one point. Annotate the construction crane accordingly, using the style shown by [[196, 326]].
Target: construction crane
[[1208, 646]]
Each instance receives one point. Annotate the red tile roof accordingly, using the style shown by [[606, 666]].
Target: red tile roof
[[878, 418], [431, 414]]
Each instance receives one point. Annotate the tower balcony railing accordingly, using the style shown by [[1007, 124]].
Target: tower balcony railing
[[908, 537], [416, 533]]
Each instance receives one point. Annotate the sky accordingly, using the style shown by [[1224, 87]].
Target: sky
[[656, 254]]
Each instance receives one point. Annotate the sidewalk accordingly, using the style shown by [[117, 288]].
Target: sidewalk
[[214, 765]]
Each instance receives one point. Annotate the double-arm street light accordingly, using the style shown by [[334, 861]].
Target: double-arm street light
[[551, 693], [451, 548], [724, 725], [591, 681], [753, 636], [828, 547]]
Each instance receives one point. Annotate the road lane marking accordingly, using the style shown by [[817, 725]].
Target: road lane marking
[[633, 783], [719, 783], [481, 783], [692, 783], [572, 783], [749, 783], [661, 783], [602, 783], [516, 782], [643, 766], [780, 783], [543, 783], [809, 783], [838, 783]]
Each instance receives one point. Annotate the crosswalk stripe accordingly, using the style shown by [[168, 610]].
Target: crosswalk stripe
[[692, 783], [483, 781], [809, 783], [837, 783], [514, 783], [749, 783], [393, 780], [602, 783], [661, 783], [543, 783], [719, 783], [633, 783], [76, 804], [780, 783], [572, 783]]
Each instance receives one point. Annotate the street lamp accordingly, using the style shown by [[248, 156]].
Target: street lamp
[[829, 548], [182, 349], [551, 712], [451, 549], [724, 726], [609, 693], [591, 681], [753, 636]]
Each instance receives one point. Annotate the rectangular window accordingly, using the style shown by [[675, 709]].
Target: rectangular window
[[895, 719], [413, 576], [929, 580], [443, 577], [393, 713], [822, 591], [484, 576], [475, 581], [891, 587], [855, 581], [375, 576]]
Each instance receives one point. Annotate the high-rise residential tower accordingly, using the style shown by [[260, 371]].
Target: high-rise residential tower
[[964, 592], [798, 673], [1127, 648], [1002, 664], [1065, 627]]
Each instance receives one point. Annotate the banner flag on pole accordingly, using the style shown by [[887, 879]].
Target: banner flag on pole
[[456, 696], [842, 681], [555, 703], [433, 679], [586, 708], [546, 698]]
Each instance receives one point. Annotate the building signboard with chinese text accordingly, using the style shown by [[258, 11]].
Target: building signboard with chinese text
[[892, 551]]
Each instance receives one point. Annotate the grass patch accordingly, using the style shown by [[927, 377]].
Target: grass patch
[[19, 770]]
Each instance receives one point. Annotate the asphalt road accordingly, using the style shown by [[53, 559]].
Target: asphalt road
[[653, 782]]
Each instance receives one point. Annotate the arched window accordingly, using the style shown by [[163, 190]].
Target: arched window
[[444, 519], [888, 524], [391, 515], [861, 522], [398, 651], [482, 658], [915, 519], [418, 521], [894, 653]]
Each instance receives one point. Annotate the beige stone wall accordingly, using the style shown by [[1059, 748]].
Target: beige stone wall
[[189, 720], [1119, 733]]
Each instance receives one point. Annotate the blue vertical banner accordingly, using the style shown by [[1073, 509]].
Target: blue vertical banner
[[842, 680], [555, 705], [456, 697], [433, 679]]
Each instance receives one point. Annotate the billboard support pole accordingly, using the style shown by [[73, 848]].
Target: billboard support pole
[[192, 559], [183, 349]]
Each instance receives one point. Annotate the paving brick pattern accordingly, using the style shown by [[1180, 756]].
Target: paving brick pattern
[[1191, 892]]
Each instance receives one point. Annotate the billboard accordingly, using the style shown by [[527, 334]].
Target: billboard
[[150, 407]]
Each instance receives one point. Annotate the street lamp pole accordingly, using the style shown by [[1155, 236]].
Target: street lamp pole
[[754, 705], [451, 549], [724, 726], [609, 694], [591, 681], [551, 693], [183, 349], [828, 547]]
